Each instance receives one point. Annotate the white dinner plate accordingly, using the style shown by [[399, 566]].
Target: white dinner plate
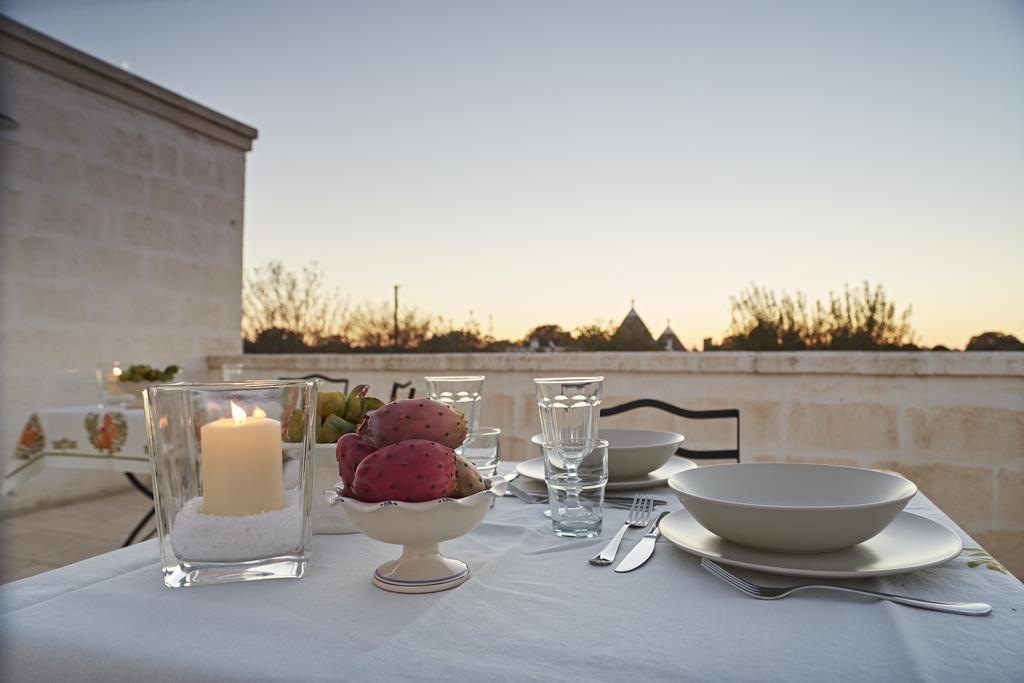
[[910, 543], [534, 469]]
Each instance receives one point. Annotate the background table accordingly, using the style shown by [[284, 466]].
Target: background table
[[80, 437], [89, 437], [533, 610]]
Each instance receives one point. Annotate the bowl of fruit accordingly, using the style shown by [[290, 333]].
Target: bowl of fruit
[[125, 385], [401, 483], [338, 414]]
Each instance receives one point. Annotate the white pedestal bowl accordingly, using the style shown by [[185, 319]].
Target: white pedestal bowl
[[419, 528]]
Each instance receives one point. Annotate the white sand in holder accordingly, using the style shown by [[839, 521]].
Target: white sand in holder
[[199, 537]]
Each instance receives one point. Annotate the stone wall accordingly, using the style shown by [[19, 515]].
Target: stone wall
[[120, 234], [952, 422]]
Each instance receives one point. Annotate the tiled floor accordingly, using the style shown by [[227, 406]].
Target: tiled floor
[[39, 541]]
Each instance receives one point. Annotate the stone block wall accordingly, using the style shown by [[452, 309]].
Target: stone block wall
[[121, 216], [951, 422]]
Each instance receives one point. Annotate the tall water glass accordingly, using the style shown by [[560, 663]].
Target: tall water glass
[[461, 393], [569, 410], [576, 493]]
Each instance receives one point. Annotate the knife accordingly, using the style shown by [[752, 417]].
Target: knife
[[643, 550]]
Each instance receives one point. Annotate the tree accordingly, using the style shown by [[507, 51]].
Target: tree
[[763, 322], [995, 341], [596, 337], [860, 320], [373, 328], [274, 298], [276, 340], [865, 321], [547, 336]]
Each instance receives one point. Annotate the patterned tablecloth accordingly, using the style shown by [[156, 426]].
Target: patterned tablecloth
[[81, 437]]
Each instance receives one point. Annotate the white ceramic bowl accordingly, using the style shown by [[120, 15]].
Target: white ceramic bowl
[[632, 453], [419, 527], [792, 507]]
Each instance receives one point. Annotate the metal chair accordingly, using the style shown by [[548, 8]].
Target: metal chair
[[408, 385], [343, 382], [721, 414]]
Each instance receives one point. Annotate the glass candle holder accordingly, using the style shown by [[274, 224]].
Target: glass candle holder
[[232, 495]]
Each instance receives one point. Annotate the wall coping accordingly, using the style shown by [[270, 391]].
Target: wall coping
[[23, 44], [889, 364]]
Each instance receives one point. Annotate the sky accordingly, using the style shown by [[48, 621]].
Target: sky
[[549, 162]]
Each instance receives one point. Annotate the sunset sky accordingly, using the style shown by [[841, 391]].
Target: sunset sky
[[542, 162]]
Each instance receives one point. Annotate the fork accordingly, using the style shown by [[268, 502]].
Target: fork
[[639, 516], [774, 593]]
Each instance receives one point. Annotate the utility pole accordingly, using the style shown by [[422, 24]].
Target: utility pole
[[394, 346]]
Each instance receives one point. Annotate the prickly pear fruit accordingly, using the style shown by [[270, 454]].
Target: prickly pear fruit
[[328, 402], [296, 426], [467, 479], [414, 418], [413, 471], [353, 409], [350, 452], [332, 429], [371, 403]]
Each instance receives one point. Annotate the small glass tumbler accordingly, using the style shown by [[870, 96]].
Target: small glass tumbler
[[569, 408], [232, 498], [461, 393], [576, 491], [231, 372], [111, 389], [483, 448]]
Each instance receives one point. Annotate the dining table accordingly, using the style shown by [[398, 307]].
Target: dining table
[[533, 609]]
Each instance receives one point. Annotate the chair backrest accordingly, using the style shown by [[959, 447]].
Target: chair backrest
[[340, 382], [408, 385], [720, 414]]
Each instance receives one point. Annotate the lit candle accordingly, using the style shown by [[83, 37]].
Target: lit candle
[[241, 469]]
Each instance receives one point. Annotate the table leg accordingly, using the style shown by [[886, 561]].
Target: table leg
[[138, 527], [144, 490], [139, 485]]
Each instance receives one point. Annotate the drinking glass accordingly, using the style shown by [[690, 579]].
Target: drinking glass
[[569, 410], [483, 448], [576, 494], [461, 393], [231, 372], [232, 498], [111, 390]]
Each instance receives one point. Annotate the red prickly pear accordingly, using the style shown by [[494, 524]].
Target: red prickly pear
[[412, 471], [350, 452], [414, 418], [468, 479]]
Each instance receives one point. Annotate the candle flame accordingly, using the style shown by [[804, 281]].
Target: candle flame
[[258, 412], [237, 413]]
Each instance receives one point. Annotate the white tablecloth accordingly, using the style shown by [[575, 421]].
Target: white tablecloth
[[534, 610]]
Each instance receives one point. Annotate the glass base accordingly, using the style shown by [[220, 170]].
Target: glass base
[[185, 574], [567, 529]]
